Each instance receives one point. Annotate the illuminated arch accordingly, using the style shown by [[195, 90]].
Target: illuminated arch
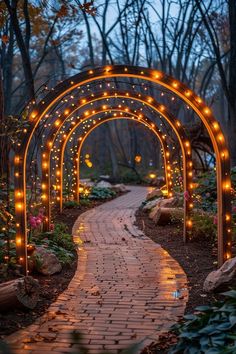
[[146, 122], [59, 172], [189, 97], [186, 152], [84, 103]]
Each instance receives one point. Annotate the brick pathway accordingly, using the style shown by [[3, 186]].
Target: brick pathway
[[124, 289]]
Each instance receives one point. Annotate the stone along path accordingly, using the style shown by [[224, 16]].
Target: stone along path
[[124, 291]]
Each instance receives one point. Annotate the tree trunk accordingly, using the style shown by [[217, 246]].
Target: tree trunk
[[19, 293]]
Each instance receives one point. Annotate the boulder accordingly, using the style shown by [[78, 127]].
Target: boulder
[[221, 278], [104, 184], [119, 188], [46, 262], [158, 182], [164, 216], [169, 203], [156, 193], [148, 206]]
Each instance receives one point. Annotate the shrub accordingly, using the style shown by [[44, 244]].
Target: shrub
[[211, 329], [70, 204], [101, 193], [203, 225], [59, 242]]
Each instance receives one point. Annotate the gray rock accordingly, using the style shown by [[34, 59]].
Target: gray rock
[[221, 278], [156, 193], [119, 188], [151, 204], [169, 203], [46, 262], [104, 184]]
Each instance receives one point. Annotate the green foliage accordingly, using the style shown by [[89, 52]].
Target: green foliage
[[203, 225], [206, 192], [127, 175], [211, 329], [59, 242], [101, 193], [70, 204]]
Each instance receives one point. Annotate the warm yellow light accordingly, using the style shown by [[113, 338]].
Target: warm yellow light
[[152, 175], [138, 158], [189, 223], [18, 241], [175, 84], [207, 110], [44, 197], [187, 143], [199, 100], [164, 192], [227, 186], [227, 217], [33, 114], [66, 112], [162, 108], [19, 206], [17, 174], [43, 186], [57, 122], [220, 137], [187, 93], [90, 71], [58, 173], [17, 159], [45, 164], [157, 75]]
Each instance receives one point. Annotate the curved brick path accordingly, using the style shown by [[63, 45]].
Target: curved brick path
[[123, 290]]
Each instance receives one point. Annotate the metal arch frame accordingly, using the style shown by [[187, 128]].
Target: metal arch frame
[[182, 91], [146, 122], [46, 156], [85, 101], [185, 148]]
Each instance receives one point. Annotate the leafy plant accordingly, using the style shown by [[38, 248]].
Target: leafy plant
[[101, 193], [211, 329], [70, 204], [59, 242], [203, 225]]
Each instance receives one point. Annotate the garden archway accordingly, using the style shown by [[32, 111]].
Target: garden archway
[[185, 94], [84, 103]]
